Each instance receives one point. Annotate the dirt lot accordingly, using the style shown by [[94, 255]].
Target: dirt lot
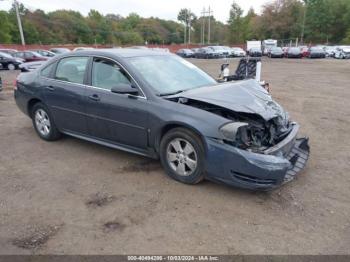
[[75, 197]]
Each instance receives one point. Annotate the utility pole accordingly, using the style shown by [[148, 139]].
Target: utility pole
[[203, 26], [206, 14], [303, 25], [19, 22], [185, 31], [210, 13], [189, 26], [209, 25]]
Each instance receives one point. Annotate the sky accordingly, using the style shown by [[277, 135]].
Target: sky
[[165, 9]]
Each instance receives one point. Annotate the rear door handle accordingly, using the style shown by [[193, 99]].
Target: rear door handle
[[51, 88], [94, 97]]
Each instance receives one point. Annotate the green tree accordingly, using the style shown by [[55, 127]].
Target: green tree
[[318, 20], [235, 23], [280, 19], [5, 28]]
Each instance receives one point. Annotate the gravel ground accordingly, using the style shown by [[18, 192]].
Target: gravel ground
[[75, 197]]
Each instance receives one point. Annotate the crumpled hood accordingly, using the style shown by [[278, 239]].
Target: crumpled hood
[[245, 96]]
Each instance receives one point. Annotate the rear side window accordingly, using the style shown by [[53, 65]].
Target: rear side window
[[46, 72], [72, 69]]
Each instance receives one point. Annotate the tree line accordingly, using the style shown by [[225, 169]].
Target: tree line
[[310, 21]]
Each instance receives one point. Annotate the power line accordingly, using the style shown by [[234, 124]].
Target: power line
[[206, 14]]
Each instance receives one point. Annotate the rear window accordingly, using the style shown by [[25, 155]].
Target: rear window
[[72, 69], [46, 72]]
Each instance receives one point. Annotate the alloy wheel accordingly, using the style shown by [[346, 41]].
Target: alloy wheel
[[182, 157], [42, 122]]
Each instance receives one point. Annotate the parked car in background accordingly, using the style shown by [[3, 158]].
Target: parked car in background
[[285, 50], [207, 53], [9, 62], [304, 51], [59, 50], [294, 52], [227, 51], [30, 56], [43, 52], [8, 51], [161, 106], [139, 47], [316, 52], [275, 52], [330, 51], [253, 44], [81, 48], [238, 52], [255, 52], [30, 66], [186, 53], [159, 49], [342, 52], [194, 50], [220, 51]]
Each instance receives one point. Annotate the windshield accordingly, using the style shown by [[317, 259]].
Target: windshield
[[216, 48], [170, 74], [276, 49], [35, 54], [294, 49]]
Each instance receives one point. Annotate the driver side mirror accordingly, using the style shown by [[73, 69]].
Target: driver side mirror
[[124, 89]]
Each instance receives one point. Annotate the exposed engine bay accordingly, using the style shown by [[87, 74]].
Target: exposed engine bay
[[248, 131]]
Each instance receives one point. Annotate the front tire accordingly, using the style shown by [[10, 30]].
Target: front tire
[[182, 156], [43, 123]]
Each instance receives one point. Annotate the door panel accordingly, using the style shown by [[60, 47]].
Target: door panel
[[118, 118], [66, 102], [65, 95]]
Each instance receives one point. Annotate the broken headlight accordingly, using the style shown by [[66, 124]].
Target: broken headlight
[[254, 137], [232, 130]]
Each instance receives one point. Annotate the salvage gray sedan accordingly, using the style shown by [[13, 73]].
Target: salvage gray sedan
[[161, 106]]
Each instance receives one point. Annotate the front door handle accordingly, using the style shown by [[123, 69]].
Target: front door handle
[[94, 97]]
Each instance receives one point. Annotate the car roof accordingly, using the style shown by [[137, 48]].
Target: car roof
[[122, 52]]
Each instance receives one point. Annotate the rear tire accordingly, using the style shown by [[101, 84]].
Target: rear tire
[[182, 156], [11, 67], [43, 123]]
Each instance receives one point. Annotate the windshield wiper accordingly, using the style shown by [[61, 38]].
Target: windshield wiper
[[172, 93]]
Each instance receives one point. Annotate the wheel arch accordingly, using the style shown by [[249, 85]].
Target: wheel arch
[[172, 125], [31, 104]]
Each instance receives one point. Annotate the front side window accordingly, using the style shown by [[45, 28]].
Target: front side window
[[107, 74], [72, 69], [19, 54]]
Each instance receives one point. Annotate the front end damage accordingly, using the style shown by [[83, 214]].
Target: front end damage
[[258, 147], [237, 167]]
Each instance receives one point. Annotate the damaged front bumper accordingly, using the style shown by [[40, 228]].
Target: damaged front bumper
[[274, 167]]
